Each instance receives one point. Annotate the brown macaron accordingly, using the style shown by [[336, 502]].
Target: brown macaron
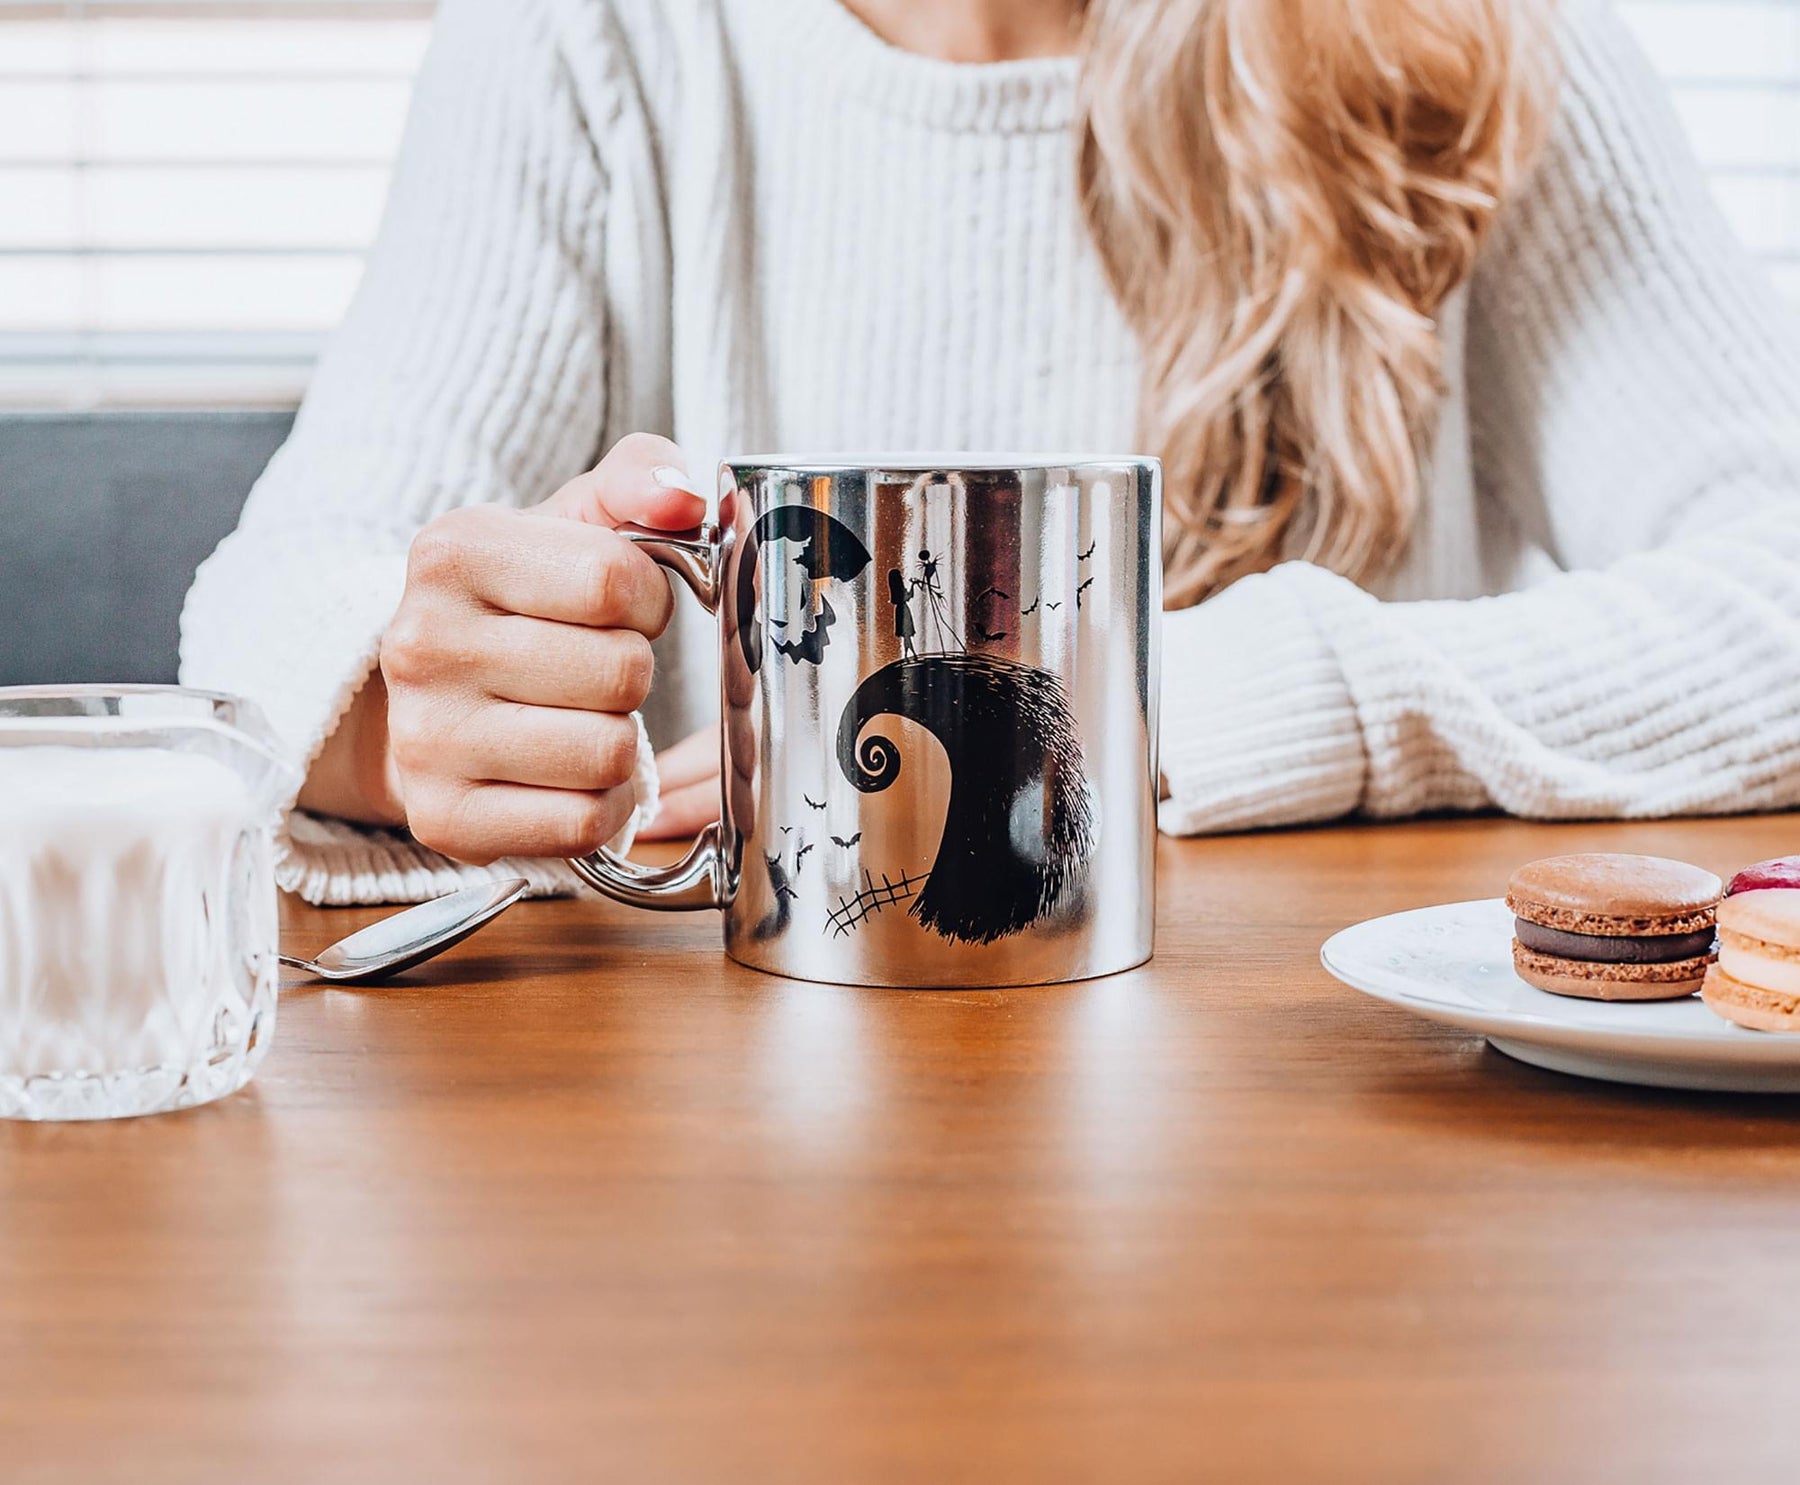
[[1613, 927], [1756, 982]]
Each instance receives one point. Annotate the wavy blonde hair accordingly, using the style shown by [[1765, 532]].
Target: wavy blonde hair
[[1282, 193]]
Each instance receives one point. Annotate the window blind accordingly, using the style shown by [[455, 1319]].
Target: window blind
[[187, 186], [1733, 67], [186, 189]]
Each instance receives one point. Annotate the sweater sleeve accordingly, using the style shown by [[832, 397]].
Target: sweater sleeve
[[1635, 392], [467, 370]]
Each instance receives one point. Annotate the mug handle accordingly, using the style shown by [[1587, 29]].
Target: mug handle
[[697, 880]]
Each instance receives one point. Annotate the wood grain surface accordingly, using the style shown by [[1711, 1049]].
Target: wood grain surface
[[585, 1201]]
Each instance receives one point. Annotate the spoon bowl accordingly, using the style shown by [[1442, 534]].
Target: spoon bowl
[[411, 937]]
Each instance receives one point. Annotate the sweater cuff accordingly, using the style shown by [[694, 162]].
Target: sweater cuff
[[1258, 727], [333, 863]]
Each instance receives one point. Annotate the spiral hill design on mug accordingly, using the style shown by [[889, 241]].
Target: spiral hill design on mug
[[1015, 761]]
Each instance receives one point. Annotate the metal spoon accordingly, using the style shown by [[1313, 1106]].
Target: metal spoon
[[412, 937]]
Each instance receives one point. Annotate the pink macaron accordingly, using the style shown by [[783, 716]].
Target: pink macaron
[[1766, 876]]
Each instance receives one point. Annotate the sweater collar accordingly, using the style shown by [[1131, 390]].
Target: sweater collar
[[1033, 96]]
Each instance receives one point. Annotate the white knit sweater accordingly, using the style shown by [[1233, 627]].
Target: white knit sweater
[[749, 223]]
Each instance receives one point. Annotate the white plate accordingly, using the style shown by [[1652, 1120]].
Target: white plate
[[1454, 964]]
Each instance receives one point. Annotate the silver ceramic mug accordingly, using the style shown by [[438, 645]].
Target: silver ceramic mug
[[939, 697]]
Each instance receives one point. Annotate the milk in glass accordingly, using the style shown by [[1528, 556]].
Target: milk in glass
[[137, 926]]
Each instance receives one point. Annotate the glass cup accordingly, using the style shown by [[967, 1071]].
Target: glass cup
[[137, 898]]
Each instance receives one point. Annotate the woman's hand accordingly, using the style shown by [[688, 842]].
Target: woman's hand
[[689, 772], [518, 652]]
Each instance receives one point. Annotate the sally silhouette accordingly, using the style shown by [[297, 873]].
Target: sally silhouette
[[900, 595]]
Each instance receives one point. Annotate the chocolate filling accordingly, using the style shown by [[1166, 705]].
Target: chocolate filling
[[1598, 948]]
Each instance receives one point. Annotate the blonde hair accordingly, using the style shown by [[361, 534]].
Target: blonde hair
[[1282, 193]]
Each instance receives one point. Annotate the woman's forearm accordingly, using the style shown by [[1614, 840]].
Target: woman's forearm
[[353, 776], [400, 427], [1666, 684]]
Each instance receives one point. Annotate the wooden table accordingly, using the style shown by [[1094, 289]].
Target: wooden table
[[584, 1201]]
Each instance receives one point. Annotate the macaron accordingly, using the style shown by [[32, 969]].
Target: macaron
[[1613, 927], [1783, 871], [1756, 982]]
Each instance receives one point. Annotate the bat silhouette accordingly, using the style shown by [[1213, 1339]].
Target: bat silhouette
[[990, 638], [782, 890], [1083, 556], [838, 840], [1053, 607], [786, 828], [994, 592], [1032, 610], [1082, 589], [799, 856], [811, 803]]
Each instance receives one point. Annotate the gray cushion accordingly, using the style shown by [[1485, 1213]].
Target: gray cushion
[[103, 519]]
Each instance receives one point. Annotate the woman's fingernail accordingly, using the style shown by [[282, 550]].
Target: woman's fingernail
[[671, 478]]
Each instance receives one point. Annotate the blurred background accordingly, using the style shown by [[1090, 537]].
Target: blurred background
[[186, 190]]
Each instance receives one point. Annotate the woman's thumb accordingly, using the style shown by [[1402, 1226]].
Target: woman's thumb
[[642, 481]]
